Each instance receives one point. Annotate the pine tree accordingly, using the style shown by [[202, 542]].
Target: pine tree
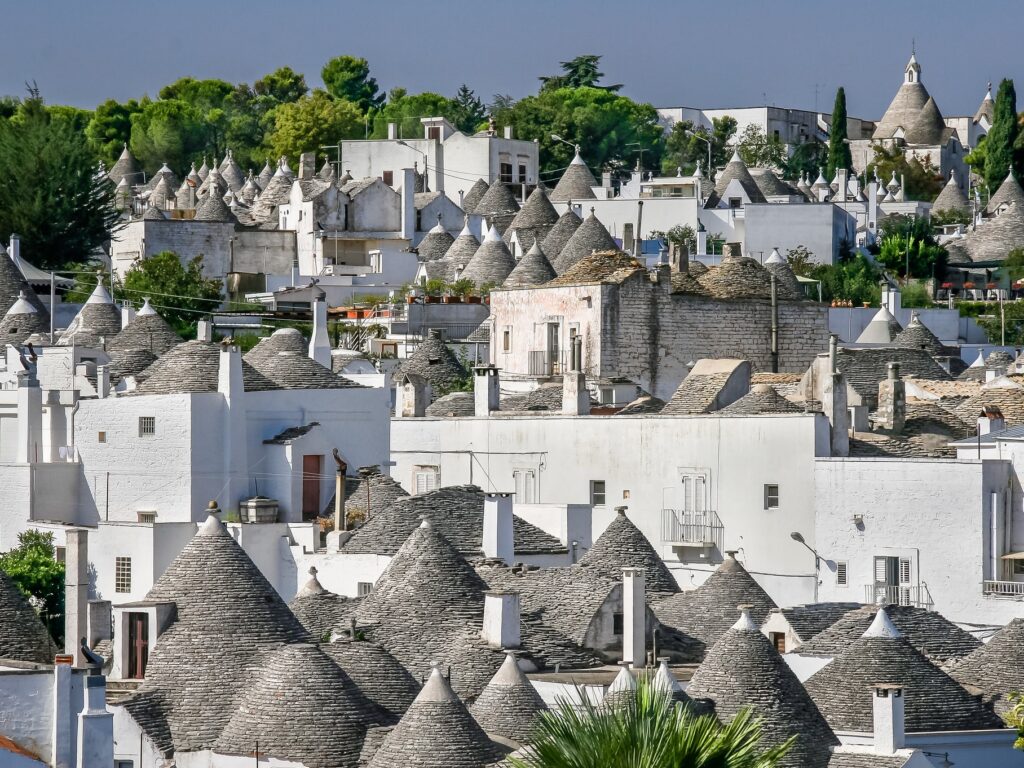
[[469, 111], [838, 150], [1001, 137]]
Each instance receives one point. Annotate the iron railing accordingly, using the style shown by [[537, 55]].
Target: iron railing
[[889, 594], [1014, 589], [695, 528]]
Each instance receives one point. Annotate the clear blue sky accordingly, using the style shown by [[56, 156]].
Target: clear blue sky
[[668, 52]]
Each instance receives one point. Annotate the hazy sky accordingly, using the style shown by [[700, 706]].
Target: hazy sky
[[668, 52]]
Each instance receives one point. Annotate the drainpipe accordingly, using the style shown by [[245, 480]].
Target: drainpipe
[[775, 326], [340, 518], [639, 239]]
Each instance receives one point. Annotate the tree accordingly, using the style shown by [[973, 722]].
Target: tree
[[757, 149], [1014, 717], [312, 122], [800, 260], [167, 131], [181, 291], [839, 155], [581, 72], [910, 240], [854, 279], [647, 730], [923, 180], [1001, 138], [406, 110], [807, 158], [605, 123], [683, 150], [110, 129], [283, 85], [468, 110], [348, 77], [34, 569], [51, 194]]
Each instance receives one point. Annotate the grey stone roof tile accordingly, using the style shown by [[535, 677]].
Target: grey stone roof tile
[[696, 394], [993, 240], [435, 244], [531, 270], [537, 211], [147, 331], [379, 675], [560, 234], [740, 277], [294, 370], [476, 193], [23, 637], [499, 206], [453, 404], [623, 545], [97, 319], [509, 705], [951, 198], [809, 621], [126, 165], [928, 128], [864, 369], [1009, 192], [918, 336], [435, 362], [491, 263], [590, 237], [762, 398], [576, 183], [129, 362], [213, 208], [736, 170], [193, 366], [22, 320], [995, 668]]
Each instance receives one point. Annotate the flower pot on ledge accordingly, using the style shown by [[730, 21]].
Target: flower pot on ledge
[[472, 299], [433, 299]]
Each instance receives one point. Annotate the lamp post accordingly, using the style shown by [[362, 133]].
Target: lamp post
[[576, 147], [707, 141], [799, 538], [420, 151], [640, 166]]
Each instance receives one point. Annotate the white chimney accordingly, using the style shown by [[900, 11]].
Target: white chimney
[[204, 330], [843, 192], [412, 396], [319, 341], [231, 386], [408, 204], [127, 315], [634, 617], [392, 131], [76, 593], [102, 381], [508, 131], [501, 619], [991, 420], [499, 539], [835, 406], [95, 725], [888, 702], [30, 418], [486, 391]]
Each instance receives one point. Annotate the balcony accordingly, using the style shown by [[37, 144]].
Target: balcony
[[888, 594], [1009, 589], [692, 530]]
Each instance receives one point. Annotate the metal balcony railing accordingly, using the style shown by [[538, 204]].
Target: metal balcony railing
[[888, 594], [1014, 589], [682, 528]]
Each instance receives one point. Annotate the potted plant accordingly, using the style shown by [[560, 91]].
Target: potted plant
[[968, 285], [434, 288], [462, 290]]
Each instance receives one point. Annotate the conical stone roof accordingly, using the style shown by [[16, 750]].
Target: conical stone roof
[[23, 637], [379, 675], [437, 732], [708, 611], [281, 340], [951, 198], [997, 667], [668, 684], [589, 237], [435, 244], [162, 194], [98, 321], [576, 183], [295, 370], [13, 284], [228, 618], [736, 170], [265, 175], [762, 398], [435, 362], [1009, 192], [904, 108], [987, 108], [491, 263], [194, 366], [147, 331], [536, 211], [476, 193], [213, 208], [928, 126], [623, 545], [277, 191], [232, 173], [741, 277], [204, 171], [498, 206], [785, 279], [531, 270], [882, 329], [303, 708], [918, 336], [934, 701], [326, 171], [460, 252], [320, 611], [509, 705], [743, 670], [22, 320], [250, 190], [126, 165], [560, 234], [129, 362]]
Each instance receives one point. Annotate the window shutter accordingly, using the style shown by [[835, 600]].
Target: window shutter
[[904, 571], [841, 575]]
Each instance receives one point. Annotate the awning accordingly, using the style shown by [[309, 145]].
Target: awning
[[1014, 556]]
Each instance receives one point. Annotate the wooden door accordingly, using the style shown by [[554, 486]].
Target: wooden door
[[311, 471], [138, 645]]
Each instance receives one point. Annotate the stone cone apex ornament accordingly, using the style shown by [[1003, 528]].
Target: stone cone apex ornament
[[22, 306], [882, 329], [882, 626], [667, 683], [509, 705], [147, 308], [312, 586]]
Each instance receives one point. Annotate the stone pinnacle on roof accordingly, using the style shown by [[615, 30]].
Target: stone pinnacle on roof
[[906, 104], [531, 270], [987, 107], [576, 183], [743, 670], [437, 732], [589, 237], [951, 198], [623, 545], [492, 262], [509, 705]]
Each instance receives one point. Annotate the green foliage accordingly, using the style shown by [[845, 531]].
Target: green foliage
[[435, 286], [32, 567], [1013, 266], [462, 287], [312, 122], [757, 149], [181, 292], [800, 260], [86, 276], [1000, 153], [991, 316], [602, 122], [683, 150], [348, 78], [807, 158], [839, 155], [73, 117], [915, 294], [645, 730], [581, 72], [923, 180], [940, 219], [467, 110], [282, 86], [167, 131], [110, 129], [976, 158], [855, 279], [50, 193], [680, 234], [1014, 717], [910, 240], [406, 110]]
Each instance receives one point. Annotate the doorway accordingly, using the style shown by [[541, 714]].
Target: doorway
[[311, 470], [138, 645]]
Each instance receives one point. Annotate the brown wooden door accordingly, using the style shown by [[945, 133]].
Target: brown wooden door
[[138, 644], [311, 470]]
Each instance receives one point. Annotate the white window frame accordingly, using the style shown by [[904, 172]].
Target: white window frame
[[594, 493], [363, 588], [769, 496], [842, 573], [425, 478], [147, 426], [524, 479], [122, 575]]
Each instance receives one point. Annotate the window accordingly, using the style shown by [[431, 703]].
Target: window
[[147, 426], [506, 340], [617, 624], [735, 202], [597, 494], [434, 133], [842, 579], [425, 479], [124, 764], [522, 172], [101, 437], [694, 492], [122, 574], [388, 177], [363, 588], [771, 497], [778, 640], [525, 482], [147, 517], [506, 172], [60, 554]]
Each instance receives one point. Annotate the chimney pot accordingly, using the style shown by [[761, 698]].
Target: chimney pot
[[501, 619]]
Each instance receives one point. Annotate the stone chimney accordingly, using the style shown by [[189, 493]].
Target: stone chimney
[[991, 420], [680, 259], [307, 165], [732, 251], [888, 721], [408, 204], [319, 341], [892, 401], [486, 390], [127, 315], [204, 330], [76, 593], [95, 725], [30, 418], [501, 619], [231, 387], [102, 381], [835, 406], [412, 396], [842, 194], [499, 539], [634, 617], [575, 397]]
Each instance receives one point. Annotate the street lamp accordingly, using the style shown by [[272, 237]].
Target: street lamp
[[706, 141], [420, 151], [337, 147], [799, 539], [641, 161], [556, 137]]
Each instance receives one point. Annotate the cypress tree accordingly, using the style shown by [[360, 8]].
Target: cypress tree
[[839, 155], [1001, 137]]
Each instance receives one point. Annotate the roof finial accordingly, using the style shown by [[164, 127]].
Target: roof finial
[[312, 571]]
